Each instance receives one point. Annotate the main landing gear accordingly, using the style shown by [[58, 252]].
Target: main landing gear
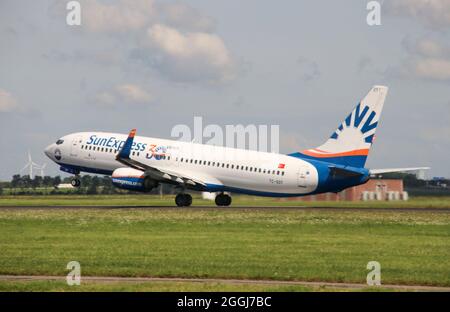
[[223, 200], [183, 200], [75, 182]]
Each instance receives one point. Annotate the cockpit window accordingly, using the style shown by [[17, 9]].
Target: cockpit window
[[59, 142]]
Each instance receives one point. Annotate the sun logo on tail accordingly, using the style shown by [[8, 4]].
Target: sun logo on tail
[[354, 126]]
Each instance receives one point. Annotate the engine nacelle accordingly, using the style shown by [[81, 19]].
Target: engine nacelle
[[132, 179]]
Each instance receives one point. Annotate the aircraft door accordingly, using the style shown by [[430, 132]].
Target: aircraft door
[[75, 148], [302, 176]]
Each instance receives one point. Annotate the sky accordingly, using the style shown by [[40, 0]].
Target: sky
[[151, 65]]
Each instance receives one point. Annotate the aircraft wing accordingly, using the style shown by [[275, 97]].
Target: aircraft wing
[[163, 175], [390, 170]]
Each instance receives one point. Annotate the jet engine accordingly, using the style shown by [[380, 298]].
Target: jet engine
[[133, 179]]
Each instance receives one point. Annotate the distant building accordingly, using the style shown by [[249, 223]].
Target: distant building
[[64, 186], [375, 189]]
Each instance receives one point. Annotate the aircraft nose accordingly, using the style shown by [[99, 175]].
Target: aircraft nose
[[49, 151]]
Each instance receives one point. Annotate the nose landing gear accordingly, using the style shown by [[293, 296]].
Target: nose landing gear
[[183, 200], [75, 182], [223, 200]]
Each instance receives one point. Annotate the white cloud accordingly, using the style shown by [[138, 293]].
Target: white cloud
[[136, 15], [121, 17], [433, 13], [428, 59], [182, 16], [174, 38], [105, 98], [427, 47], [433, 68], [124, 93], [7, 102], [190, 56], [133, 93]]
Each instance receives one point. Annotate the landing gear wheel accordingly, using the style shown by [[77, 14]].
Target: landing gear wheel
[[188, 200], [75, 182], [223, 200], [183, 200]]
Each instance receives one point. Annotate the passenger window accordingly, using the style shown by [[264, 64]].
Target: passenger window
[[282, 173], [278, 172]]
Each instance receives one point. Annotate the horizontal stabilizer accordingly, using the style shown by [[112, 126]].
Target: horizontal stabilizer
[[343, 173], [390, 170]]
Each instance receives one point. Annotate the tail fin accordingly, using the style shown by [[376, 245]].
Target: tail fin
[[349, 145]]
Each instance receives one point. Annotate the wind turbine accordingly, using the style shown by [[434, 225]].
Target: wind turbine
[[42, 169], [30, 165]]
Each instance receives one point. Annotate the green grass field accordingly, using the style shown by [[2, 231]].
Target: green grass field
[[168, 200], [276, 244], [167, 286]]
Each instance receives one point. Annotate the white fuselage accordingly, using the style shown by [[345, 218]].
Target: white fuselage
[[219, 167]]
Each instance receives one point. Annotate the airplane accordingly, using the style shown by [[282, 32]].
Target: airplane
[[140, 163]]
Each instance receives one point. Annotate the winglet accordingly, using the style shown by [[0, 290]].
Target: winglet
[[126, 149]]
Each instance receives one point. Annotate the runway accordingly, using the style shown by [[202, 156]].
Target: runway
[[278, 208], [115, 279]]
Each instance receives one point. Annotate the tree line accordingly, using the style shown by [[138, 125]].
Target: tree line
[[90, 184]]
